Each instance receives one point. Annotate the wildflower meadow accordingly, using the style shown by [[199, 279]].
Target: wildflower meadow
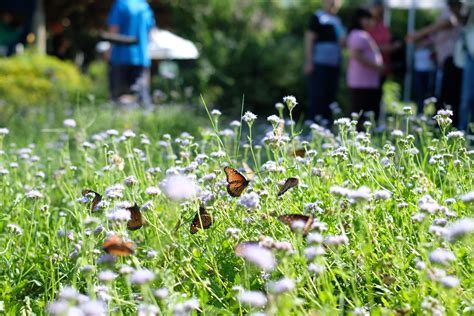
[[260, 216]]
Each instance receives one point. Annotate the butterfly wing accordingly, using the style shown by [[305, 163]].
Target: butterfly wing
[[289, 183], [202, 220], [136, 220], [297, 153], [292, 219], [97, 198], [236, 182], [115, 246]]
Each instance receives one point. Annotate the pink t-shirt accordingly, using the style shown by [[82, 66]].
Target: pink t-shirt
[[381, 35], [359, 75]]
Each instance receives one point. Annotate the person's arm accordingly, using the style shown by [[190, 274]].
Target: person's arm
[[114, 29], [309, 38], [390, 47], [428, 30], [358, 54]]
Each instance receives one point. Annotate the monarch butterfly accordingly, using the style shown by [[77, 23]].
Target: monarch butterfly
[[239, 249], [136, 220], [202, 220], [297, 220], [236, 182], [289, 183], [97, 198], [117, 247], [297, 153]]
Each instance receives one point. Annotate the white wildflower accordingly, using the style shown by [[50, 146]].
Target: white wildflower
[[456, 135], [449, 281], [153, 190], [118, 214], [115, 191], [312, 252], [290, 102], [235, 124], [468, 197], [249, 117], [382, 194], [71, 123], [249, 200], [107, 276], [252, 298], [216, 112], [441, 256], [179, 188], [142, 276], [129, 133], [459, 228], [315, 268], [33, 194], [281, 286], [259, 256], [161, 293], [336, 240]]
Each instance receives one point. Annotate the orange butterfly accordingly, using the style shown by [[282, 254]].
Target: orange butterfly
[[117, 247], [236, 182], [297, 153], [202, 220], [292, 220], [97, 198], [239, 249], [289, 183], [136, 220]]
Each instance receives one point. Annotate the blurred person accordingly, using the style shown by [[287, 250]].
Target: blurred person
[[425, 68], [323, 44], [445, 32], [10, 33], [365, 67], [466, 113], [130, 63], [383, 37]]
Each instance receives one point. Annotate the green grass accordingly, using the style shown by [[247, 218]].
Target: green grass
[[374, 271]]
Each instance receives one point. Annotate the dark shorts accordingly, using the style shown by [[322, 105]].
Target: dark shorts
[[129, 79], [366, 100], [323, 85]]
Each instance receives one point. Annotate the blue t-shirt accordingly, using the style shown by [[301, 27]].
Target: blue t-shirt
[[133, 18]]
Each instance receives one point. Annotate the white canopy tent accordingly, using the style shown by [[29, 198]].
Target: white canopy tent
[[163, 45], [166, 45], [412, 6]]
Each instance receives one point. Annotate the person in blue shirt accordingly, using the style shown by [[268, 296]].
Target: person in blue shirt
[[130, 63]]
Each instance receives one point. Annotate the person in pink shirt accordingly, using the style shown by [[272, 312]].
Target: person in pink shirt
[[365, 65], [382, 35]]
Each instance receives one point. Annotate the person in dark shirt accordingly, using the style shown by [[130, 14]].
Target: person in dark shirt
[[323, 44]]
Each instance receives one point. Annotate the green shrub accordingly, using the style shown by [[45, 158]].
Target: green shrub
[[32, 79], [97, 73]]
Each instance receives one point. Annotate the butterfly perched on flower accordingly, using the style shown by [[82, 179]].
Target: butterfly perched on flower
[[117, 247], [297, 152], [289, 183], [202, 220], [136, 220], [236, 182], [97, 198], [298, 222]]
